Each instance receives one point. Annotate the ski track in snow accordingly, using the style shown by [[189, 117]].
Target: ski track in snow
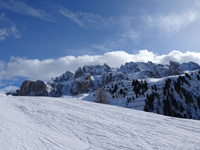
[[45, 123]]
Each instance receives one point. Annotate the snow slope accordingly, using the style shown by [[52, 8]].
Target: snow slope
[[68, 123]]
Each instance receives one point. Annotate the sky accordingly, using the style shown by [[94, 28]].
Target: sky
[[44, 38]]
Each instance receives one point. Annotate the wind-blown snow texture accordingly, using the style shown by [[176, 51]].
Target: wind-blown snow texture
[[45, 123]]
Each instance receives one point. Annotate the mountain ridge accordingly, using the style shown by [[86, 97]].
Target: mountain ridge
[[171, 90]]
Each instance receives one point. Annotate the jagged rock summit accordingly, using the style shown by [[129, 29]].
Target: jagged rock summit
[[89, 78]]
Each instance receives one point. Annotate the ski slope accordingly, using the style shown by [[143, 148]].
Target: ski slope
[[67, 123]]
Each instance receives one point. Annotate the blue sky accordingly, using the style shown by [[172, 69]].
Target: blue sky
[[51, 31]]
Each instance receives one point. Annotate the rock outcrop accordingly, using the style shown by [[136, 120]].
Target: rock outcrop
[[82, 85], [89, 78], [190, 66], [175, 68], [32, 88]]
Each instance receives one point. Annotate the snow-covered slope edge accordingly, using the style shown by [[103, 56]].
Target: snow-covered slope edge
[[41, 123]]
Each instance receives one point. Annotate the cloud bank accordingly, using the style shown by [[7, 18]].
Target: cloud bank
[[48, 68]]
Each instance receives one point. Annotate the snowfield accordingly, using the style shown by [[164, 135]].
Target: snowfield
[[69, 123]]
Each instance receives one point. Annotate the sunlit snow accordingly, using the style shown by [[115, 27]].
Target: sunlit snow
[[69, 123]]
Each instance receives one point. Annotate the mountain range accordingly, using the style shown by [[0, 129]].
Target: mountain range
[[172, 90]]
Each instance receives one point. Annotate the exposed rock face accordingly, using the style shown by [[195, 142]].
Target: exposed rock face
[[89, 78], [175, 68], [96, 70], [190, 66], [40, 88], [78, 73], [84, 80], [31, 88], [162, 70], [56, 89], [82, 85], [64, 77], [60, 85], [92, 70], [130, 67], [26, 88], [144, 70]]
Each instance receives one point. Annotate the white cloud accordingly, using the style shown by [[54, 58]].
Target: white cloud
[[24, 9], [89, 20], [171, 22], [179, 57], [9, 31], [45, 69], [131, 29], [7, 28], [73, 16], [16, 34], [3, 33], [122, 34]]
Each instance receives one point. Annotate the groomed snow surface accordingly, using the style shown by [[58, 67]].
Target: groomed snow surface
[[44, 123]]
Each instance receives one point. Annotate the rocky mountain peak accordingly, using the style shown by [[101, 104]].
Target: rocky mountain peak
[[89, 78], [190, 66], [64, 77], [130, 67], [78, 73], [93, 70]]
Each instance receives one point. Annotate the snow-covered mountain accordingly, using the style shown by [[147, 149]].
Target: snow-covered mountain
[[69, 123], [89, 78], [177, 96], [171, 90]]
